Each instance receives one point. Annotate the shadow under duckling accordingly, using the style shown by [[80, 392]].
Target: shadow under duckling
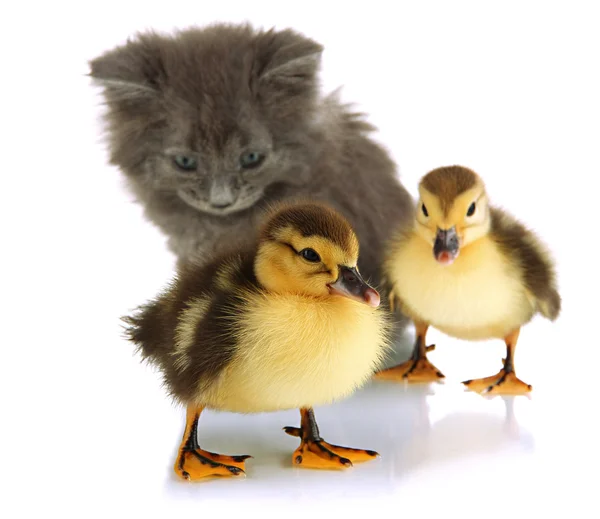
[[287, 324], [471, 271]]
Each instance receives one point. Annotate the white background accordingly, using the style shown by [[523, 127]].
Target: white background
[[509, 88]]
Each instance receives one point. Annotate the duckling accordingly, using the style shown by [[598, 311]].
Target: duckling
[[471, 271], [287, 323]]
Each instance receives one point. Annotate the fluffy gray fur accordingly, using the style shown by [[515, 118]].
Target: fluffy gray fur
[[209, 125]]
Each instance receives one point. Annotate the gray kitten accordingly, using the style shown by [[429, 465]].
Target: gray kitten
[[211, 125]]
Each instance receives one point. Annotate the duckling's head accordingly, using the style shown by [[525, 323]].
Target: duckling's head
[[310, 249], [452, 211]]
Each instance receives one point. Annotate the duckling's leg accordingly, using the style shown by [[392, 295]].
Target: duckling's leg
[[193, 463], [315, 453], [417, 368], [506, 381]]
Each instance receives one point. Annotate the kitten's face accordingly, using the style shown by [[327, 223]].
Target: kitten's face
[[223, 175], [214, 116], [220, 180], [218, 186]]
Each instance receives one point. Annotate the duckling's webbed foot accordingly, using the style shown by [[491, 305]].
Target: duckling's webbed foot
[[505, 382], [194, 463], [315, 453], [417, 368]]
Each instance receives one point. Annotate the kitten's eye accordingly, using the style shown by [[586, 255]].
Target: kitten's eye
[[251, 159], [186, 163], [424, 209], [471, 210], [310, 255]]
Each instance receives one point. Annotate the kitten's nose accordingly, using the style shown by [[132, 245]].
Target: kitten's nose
[[221, 196]]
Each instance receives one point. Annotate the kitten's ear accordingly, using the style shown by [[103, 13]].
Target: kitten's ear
[[288, 58], [132, 70]]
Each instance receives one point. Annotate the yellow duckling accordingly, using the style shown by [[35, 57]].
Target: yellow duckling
[[469, 270], [288, 324]]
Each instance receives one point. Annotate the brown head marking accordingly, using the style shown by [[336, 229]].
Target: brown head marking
[[448, 182], [311, 219]]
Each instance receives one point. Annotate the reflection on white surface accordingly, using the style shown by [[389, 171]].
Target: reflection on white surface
[[393, 419], [510, 89]]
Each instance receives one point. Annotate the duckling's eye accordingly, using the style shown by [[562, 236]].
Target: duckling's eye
[[471, 210], [424, 209], [310, 255], [251, 159], [186, 163]]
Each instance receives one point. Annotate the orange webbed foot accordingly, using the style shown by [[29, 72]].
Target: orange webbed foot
[[503, 383], [319, 454], [416, 369], [316, 453], [196, 464]]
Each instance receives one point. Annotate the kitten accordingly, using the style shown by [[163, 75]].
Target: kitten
[[209, 125]]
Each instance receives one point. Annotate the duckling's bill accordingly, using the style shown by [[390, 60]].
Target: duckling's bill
[[351, 284], [502, 279], [286, 323], [446, 246]]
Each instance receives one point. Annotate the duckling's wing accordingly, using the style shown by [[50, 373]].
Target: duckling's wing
[[529, 254], [151, 326], [186, 331]]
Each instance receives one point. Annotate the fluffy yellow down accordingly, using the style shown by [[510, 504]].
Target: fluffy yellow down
[[296, 352], [480, 296]]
